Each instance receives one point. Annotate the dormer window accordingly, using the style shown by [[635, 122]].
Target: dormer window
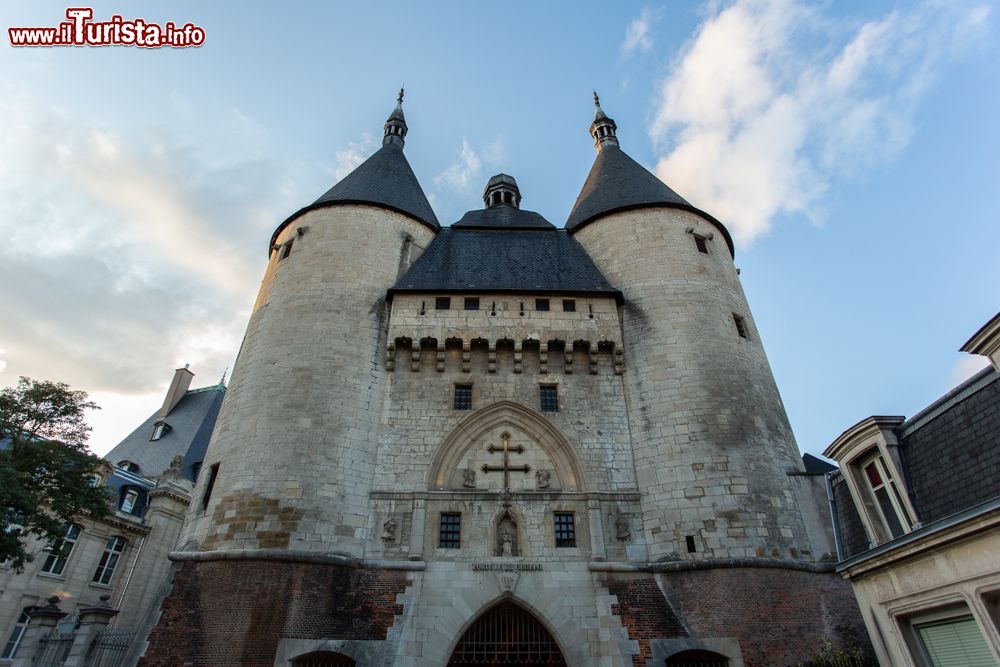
[[128, 466], [884, 497], [159, 429], [129, 500]]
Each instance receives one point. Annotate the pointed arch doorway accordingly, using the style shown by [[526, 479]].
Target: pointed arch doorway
[[507, 634]]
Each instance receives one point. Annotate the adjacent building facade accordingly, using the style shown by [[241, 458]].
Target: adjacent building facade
[[501, 442], [918, 510], [120, 561]]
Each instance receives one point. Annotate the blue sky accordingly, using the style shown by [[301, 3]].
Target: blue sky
[[852, 148]]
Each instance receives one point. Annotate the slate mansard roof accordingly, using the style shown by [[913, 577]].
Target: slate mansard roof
[[618, 183], [191, 422], [505, 249], [385, 179]]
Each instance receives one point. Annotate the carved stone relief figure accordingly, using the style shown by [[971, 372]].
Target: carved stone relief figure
[[469, 478], [507, 537], [622, 526], [389, 530], [542, 478]]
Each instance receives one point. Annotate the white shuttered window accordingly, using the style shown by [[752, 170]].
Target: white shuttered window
[[955, 642]]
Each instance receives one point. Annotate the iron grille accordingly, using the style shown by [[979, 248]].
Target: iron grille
[[109, 648], [565, 529], [507, 635], [54, 648], [451, 530]]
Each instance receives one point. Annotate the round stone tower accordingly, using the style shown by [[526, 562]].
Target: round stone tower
[[292, 458], [713, 446]]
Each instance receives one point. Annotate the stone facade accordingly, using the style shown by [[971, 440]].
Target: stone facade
[[396, 457]]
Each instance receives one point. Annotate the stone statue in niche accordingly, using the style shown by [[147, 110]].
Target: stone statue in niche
[[542, 478], [389, 530], [469, 478], [623, 529], [507, 537]]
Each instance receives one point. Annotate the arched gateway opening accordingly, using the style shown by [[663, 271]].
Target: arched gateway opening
[[507, 635]]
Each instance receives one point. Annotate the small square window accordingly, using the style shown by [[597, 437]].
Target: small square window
[[565, 529], [472, 303], [569, 305], [702, 243], [450, 536], [541, 304], [442, 303], [549, 398], [463, 396], [741, 326]]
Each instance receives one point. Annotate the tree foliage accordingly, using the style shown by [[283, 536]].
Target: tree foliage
[[46, 470]]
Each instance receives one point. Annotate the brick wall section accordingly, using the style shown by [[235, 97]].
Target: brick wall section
[[233, 613], [779, 616], [644, 612], [853, 538], [953, 461]]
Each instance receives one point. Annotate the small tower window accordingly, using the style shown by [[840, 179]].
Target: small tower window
[[450, 535], [569, 306], [702, 243], [463, 396], [472, 303], [442, 303], [689, 539], [741, 326], [549, 398], [565, 529], [541, 304], [213, 474], [286, 250]]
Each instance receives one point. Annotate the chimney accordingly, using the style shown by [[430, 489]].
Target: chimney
[[178, 387]]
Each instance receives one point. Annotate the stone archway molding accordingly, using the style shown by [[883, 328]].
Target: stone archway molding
[[506, 414]]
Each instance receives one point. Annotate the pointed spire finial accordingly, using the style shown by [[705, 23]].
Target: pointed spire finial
[[395, 127], [603, 128]]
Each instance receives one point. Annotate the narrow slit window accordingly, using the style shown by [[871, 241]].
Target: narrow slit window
[[463, 396], [286, 250], [213, 474], [450, 536], [690, 544], [702, 243], [442, 303], [541, 304], [549, 398], [741, 326], [472, 303], [565, 529], [569, 305]]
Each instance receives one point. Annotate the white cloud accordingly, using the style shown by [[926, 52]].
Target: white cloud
[[771, 100], [463, 172], [965, 368], [354, 154], [637, 33]]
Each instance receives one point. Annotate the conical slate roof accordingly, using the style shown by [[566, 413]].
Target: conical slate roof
[[617, 182]]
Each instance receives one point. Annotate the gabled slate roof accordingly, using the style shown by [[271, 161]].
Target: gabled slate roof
[[617, 182], [385, 179], [504, 249], [503, 216], [191, 423]]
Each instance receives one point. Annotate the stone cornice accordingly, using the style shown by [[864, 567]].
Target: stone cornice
[[633, 496], [986, 341], [841, 449], [710, 564]]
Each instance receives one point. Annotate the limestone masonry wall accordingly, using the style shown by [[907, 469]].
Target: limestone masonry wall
[[711, 439]]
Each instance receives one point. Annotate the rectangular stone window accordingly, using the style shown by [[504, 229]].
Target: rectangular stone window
[[286, 250], [702, 243], [442, 303], [565, 529], [569, 305], [10, 650], [109, 561], [213, 474], [741, 326], [541, 304], [472, 303], [463, 396], [450, 535], [549, 398], [60, 550], [689, 540]]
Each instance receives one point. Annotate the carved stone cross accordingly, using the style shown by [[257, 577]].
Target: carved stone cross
[[506, 468]]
